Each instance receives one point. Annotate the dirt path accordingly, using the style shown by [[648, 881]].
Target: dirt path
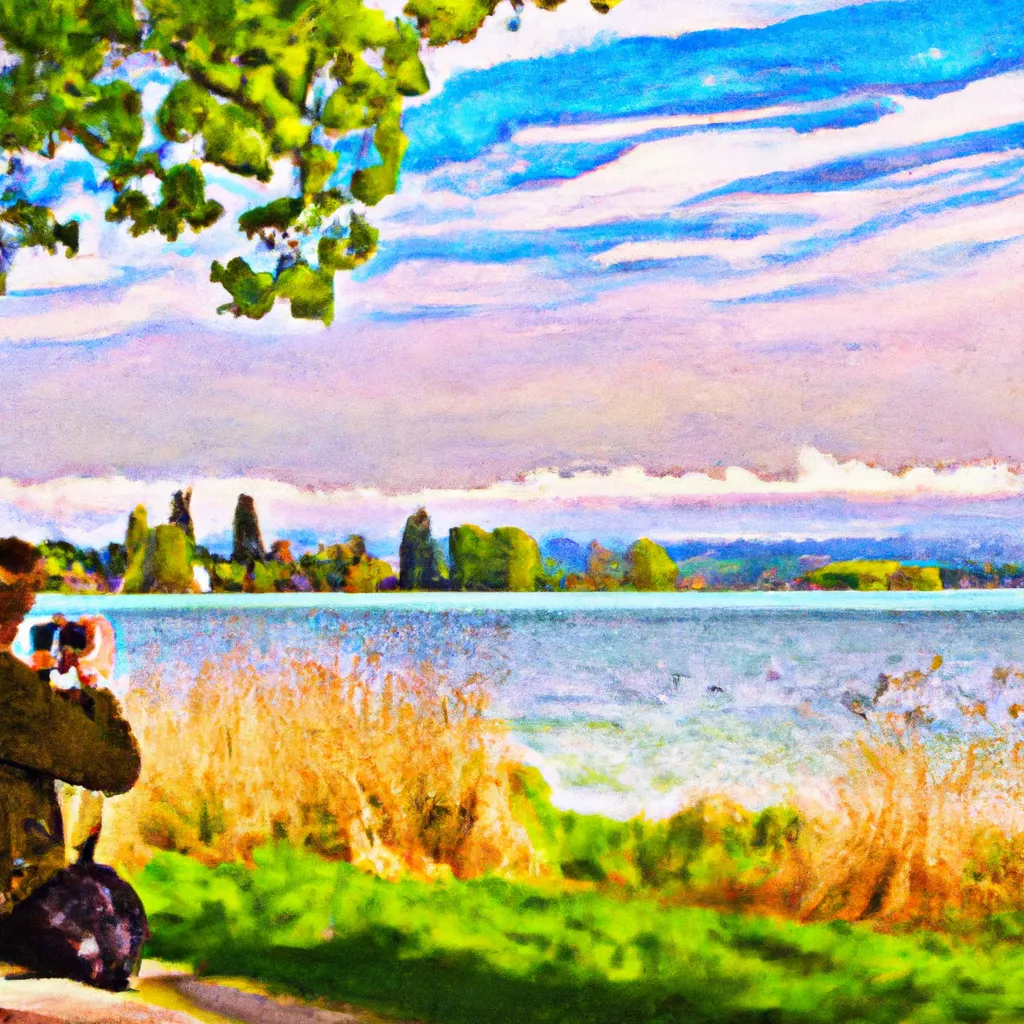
[[55, 1001], [162, 995]]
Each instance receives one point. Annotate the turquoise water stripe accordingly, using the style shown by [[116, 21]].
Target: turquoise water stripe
[[1006, 601]]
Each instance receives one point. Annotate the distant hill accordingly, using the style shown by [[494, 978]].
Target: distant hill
[[945, 551], [569, 554]]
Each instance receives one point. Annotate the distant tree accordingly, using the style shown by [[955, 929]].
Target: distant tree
[[70, 569], [553, 575], [163, 565], [281, 551], [170, 561], [567, 553], [181, 513], [116, 560], [475, 563], [874, 574], [505, 559], [253, 85], [248, 541], [604, 571], [522, 558], [137, 532], [369, 575], [420, 564], [348, 567], [650, 567]]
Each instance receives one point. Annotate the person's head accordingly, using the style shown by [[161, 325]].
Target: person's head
[[21, 574], [60, 620]]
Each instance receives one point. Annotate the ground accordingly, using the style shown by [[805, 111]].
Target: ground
[[161, 995]]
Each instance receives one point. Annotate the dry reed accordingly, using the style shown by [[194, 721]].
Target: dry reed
[[928, 825], [404, 773], [396, 772]]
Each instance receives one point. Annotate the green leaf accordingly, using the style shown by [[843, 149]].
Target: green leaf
[[67, 235], [111, 127], [316, 165], [371, 184], [184, 112], [253, 292], [350, 251], [182, 201], [276, 216], [134, 206], [402, 63], [235, 141], [36, 226], [311, 291], [445, 21]]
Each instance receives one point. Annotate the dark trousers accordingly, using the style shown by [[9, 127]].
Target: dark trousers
[[86, 924]]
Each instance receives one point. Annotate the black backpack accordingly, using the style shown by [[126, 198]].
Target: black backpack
[[86, 923]]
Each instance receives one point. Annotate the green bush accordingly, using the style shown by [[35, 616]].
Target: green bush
[[714, 851]]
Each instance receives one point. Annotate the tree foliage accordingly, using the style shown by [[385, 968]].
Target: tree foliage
[[248, 540], [255, 83], [649, 567], [422, 565], [504, 559]]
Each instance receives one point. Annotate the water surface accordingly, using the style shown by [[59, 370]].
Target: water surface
[[628, 702]]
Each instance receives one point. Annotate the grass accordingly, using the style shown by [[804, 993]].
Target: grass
[[493, 950]]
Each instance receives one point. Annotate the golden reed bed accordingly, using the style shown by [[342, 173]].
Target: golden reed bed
[[404, 773]]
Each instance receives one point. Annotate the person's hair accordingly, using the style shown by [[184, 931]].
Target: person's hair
[[17, 556], [19, 572]]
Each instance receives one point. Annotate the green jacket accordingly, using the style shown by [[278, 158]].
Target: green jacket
[[76, 736]]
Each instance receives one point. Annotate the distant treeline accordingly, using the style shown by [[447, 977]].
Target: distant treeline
[[167, 559]]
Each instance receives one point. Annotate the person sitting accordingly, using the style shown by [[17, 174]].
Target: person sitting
[[82, 921]]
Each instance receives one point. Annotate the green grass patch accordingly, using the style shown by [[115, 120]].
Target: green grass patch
[[489, 950]]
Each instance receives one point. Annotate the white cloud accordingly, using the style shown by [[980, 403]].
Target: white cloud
[[576, 24], [36, 270], [94, 510], [626, 128], [891, 242], [78, 318], [655, 177]]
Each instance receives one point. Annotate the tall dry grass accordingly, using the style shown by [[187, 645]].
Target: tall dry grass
[[928, 824], [403, 772], [395, 772]]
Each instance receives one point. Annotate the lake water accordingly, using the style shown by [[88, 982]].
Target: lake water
[[627, 702]]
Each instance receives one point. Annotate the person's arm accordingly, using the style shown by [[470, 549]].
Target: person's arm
[[69, 735]]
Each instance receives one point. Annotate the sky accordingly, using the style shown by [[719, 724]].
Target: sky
[[685, 236]]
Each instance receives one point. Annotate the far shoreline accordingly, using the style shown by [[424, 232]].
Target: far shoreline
[[960, 600]]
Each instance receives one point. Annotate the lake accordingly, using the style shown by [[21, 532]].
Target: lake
[[627, 702]]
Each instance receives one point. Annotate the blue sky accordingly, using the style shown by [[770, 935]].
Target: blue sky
[[678, 237]]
